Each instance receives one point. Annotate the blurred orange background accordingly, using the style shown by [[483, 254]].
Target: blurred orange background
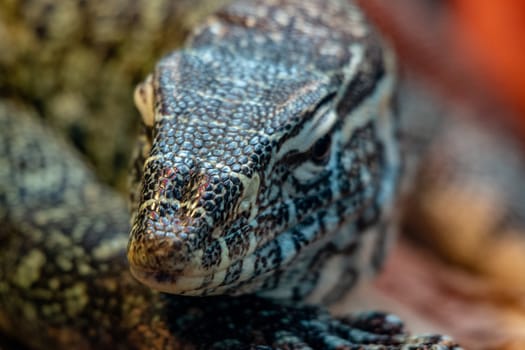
[[492, 33], [473, 48]]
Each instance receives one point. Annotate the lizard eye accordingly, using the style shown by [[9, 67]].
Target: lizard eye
[[144, 101], [321, 149]]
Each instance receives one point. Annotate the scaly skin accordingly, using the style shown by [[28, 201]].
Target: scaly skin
[[269, 160], [65, 283], [77, 63], [64, 280]]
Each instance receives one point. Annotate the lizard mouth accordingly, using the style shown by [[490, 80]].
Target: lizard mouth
[[247, 271], [226, 279], [192, 277], [187, 271], [171, 282]]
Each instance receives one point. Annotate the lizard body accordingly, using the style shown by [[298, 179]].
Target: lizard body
[[64, 276]]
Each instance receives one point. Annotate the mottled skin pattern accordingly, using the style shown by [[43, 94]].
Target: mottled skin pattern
[[269, 154], [64, 280], [77, 63]]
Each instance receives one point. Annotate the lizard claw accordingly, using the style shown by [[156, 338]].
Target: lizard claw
[[251, 322]]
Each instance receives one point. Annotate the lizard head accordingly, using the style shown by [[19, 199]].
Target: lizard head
[[249, 165]]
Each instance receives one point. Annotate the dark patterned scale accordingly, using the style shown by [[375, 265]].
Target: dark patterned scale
[[268, 139], [267, 162]]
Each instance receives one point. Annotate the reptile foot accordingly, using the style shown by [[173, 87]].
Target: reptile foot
[[251, 322]]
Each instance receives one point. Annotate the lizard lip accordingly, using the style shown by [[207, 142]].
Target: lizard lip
[[179, 270], [192, 283], [167, 282], [199, 281], [171, 261], [182, 270]]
